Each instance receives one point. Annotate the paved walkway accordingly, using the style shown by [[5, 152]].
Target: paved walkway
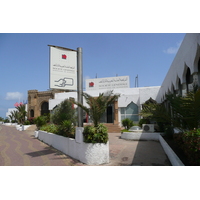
[[21, 148], [136, 153]]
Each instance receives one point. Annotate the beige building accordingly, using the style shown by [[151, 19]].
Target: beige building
[[38, 102]]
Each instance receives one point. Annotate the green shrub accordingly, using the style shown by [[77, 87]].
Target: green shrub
[[64, 111], [26, 122], [97, 134], [40, 121], [6, 120], [31, 120], [189, 142], [66, 129], [127, 123], [51, 128]]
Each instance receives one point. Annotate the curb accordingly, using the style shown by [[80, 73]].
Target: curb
[[174, 159]]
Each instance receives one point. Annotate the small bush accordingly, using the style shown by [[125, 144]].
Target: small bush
[[189, 142], [27, 122], [31, 120], [127, 123], [66, 129], [51, 128], [97, 134], [40, 121], [6, 121]]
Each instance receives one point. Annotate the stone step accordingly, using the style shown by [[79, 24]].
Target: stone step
[[113, 128]]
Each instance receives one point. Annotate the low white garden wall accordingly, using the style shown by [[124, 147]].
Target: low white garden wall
[[140, 136], [22, 127], [174, 159], [17, 126], [88, 153]]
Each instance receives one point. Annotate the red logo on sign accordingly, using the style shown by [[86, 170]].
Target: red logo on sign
[[91, 84], [64, 56]]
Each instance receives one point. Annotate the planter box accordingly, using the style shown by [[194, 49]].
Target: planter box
[[90, 154]]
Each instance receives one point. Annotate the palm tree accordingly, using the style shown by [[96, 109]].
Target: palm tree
[[21, 113], [97, 105], [16, 115], [11, 116], [180, 112]]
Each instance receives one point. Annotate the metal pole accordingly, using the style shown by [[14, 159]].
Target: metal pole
[[80, 85]]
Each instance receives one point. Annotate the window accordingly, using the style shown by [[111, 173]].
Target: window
[[131, 112]]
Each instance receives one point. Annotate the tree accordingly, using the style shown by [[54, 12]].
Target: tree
[[64, 111], [177, 111], [97, 105], [185, 111], [21, 114]]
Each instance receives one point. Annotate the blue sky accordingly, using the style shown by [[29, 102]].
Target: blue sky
[[24, 59]]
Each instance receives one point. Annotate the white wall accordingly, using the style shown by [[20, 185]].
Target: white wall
[[9, 111], [88, 153], [137, 95], [127, 95]]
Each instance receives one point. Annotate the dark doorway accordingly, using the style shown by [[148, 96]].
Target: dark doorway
[[110, 114], [32, 113], [45, 108]]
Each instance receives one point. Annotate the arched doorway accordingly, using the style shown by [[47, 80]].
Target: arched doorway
[[45, 108], [179, 87], [189, 79], [31, 113]]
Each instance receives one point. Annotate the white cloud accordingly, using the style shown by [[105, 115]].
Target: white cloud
[[14, 96], [173, 50]]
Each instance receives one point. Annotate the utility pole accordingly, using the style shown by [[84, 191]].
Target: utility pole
[[136, 81], [80, 85]]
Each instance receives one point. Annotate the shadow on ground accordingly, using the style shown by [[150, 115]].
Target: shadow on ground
[[46, 151], [150, 153]]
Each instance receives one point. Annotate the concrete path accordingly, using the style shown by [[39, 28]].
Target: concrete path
[[136, 153], [21, 148]]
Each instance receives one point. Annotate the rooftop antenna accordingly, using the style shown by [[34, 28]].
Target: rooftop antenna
[[116, 74], [96, 75], [136, 81]]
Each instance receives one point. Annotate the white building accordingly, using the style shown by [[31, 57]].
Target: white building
[[128, 105], [185, 68], [10, 110]]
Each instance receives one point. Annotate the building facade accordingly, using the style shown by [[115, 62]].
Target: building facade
[[128, 105], [184, 71], [38, 102]]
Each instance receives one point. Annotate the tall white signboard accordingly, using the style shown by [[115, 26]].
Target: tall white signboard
[[63, 68]]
